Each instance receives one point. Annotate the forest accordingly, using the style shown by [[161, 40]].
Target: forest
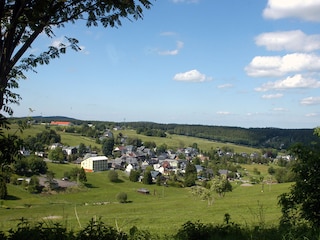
[[275, 138]]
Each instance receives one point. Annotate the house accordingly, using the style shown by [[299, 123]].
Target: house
[[55, 145], [70, 150], [131, 166], [60, 123], [224, 172], [199, 168], [95, 164], [155, 174]]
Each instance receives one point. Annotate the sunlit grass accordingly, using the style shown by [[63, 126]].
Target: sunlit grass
[[164, 210]]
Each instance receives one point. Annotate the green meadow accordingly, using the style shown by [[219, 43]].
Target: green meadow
[[172, 141], [163, 211]]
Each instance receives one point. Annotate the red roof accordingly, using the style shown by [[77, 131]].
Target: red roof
[[60, 123]]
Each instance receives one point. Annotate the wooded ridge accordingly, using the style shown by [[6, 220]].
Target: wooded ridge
[[254, 137]]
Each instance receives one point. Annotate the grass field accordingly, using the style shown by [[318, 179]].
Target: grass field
[[172, 141], [163, 211]]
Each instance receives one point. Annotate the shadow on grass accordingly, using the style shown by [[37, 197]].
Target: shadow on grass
[[118, 181], [10, 197], [89, 185]]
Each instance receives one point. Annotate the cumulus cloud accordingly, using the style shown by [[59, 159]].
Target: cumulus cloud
[[303, 9], [179, 46], [296, 81], [288, 40], [310, 101], [191, 76], [271, 66], [272, 96]]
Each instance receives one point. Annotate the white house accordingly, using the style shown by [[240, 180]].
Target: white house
[[95, 164]]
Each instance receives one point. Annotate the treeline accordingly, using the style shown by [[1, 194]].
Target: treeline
[[276, 138], [255, 137]]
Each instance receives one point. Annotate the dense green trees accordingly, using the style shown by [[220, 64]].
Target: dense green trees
[[190, 175], [303, 201], [76, 174], [57, 155], [42, 140], [267, 138], [107, 146], [3, 186], [30, 165]]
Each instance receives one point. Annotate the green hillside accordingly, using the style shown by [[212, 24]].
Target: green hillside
[[163, 211]]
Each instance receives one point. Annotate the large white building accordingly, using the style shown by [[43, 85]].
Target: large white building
[[95, 164]]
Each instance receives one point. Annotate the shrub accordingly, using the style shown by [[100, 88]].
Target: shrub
[[134, 176], [122, 197], [113, 176]]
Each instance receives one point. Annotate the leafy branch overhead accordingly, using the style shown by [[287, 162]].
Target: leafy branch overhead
[[24, 20]]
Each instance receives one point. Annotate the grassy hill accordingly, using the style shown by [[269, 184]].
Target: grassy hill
[[172, 140], [163, 211]]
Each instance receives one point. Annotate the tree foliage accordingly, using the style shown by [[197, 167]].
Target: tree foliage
[[221, 185], [107, 146], [134, 176], [23, 21], [3, 186], [303, 200], [147, 178], [190, 175], [56, 155], [122, 197], [76, 174], [113, 176]]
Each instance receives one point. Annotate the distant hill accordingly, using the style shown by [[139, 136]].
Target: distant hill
[[253, 137]]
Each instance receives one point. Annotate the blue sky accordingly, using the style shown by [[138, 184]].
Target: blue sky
[[243, 63]]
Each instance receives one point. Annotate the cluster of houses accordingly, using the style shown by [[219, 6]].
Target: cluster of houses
[[140, 159]]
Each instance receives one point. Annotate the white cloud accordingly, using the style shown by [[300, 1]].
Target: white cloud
[[83, 50], [303, 9], [271, 66], [223, 113], [227, 85], [310, 101], [288, 40], [272, 96], [312, 114], [57, 42], [296, 81], [167, 33], [191, 76], [179, 46], [279, 109]]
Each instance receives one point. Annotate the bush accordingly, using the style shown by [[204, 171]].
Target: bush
[[134, 176], [113, 176], [122, 197]]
